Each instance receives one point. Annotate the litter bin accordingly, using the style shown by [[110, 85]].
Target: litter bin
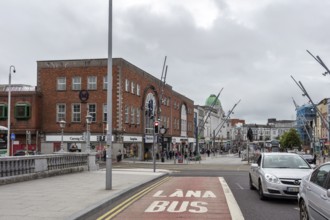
[[180, 160], [163, 159]]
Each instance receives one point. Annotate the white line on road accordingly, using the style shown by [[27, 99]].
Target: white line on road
[[234, 209], [241, 187]]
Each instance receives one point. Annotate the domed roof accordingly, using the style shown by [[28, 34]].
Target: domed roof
[[211, 99]]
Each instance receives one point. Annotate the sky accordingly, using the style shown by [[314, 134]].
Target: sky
[[250, 49]]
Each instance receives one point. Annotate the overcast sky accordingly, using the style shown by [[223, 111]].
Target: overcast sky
[[248, 48]]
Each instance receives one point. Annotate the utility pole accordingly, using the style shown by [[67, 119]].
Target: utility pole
[[108, 181]]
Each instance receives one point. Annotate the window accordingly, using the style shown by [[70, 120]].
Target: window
[[132, 88], [92, 111], [76, 112], [61, 83], [3, 111], [92, 83], [137, 89], [132, 115], [76, 83], [319, 176], [126, 85], [22, 111], [60, 112], [105, 112], [126, 114], [138, 119], [105, 82]]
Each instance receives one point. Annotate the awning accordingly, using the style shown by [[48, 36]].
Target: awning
[[3, 128]]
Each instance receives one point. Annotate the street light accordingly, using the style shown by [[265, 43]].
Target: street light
[[9, 103], [88, 122], [62, 125]]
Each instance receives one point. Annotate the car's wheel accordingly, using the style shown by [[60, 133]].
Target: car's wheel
[[250, 183], [303, 214], [261, 193]]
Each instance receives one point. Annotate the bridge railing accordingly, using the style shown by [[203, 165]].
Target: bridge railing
[[22, 168]]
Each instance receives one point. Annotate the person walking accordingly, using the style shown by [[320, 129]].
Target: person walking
[[314, 160]]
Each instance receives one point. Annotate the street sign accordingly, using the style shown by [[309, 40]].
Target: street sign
[[12, 136]]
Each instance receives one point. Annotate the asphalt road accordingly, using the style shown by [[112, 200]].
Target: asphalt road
[[236, 177]]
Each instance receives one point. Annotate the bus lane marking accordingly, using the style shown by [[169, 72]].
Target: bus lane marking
[[234, 209]]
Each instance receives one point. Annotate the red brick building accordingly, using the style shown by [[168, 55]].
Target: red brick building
[[71, 89], [25, 120]]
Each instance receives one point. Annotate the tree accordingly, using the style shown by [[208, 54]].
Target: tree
[[290, 139]]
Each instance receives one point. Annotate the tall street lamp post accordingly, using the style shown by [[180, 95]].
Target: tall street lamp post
[[88, 122], [9, 104], [62, 125]]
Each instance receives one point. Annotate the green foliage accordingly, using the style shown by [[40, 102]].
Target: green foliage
[[290, 139]]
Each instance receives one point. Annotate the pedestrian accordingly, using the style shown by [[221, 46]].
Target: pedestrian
[[208, 152], [314, 159], [239, 153], [104, 154]]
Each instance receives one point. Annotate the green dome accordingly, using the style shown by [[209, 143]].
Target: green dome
[[210, 100]]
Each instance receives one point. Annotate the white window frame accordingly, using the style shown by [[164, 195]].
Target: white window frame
[[61, 83], [76, 83], [91, 112], [126, 114], [126, 85], [132, 87], [138, 89], [105, 82], [92, 83], [76, 116], [60, 112], [132, 115], [105, 113], [138, 117]]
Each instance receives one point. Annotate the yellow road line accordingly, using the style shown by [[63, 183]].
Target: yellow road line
[[113, 212]]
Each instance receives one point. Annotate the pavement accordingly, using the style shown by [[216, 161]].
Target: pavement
[[72, 196]]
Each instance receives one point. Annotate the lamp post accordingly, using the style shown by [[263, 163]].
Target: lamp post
[[88, 122], [9, 103], [62, 125]]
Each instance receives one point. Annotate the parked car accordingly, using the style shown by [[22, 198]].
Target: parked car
[[314, 194], [278, 175], [309, 158], [23, 153]]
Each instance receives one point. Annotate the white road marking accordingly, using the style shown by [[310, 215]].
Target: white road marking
[[234, 209], [241, 187]]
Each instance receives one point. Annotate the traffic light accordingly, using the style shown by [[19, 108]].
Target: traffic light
[[156, 128]]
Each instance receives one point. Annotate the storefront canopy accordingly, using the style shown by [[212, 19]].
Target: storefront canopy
[[3, 128]]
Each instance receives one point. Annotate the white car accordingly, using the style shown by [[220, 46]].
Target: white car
[[278, 175], [314, 194]]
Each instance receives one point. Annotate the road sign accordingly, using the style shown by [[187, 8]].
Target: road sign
[[12, 136]]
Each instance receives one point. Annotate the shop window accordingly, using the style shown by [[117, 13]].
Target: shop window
[[3, 111], [22, 111]]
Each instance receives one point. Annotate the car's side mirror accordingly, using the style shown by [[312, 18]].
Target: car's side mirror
[[328, 193], [313, 166], [254, 165]]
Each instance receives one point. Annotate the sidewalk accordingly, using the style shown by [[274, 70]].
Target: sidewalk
[[71, 196], [68, 196]]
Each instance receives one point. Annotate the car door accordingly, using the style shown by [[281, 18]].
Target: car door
[[316, 193], [256, 171]]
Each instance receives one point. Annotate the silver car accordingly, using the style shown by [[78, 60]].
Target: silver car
[[314, 194], [278, 175]]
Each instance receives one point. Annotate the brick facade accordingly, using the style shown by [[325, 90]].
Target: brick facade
[[123, 72]]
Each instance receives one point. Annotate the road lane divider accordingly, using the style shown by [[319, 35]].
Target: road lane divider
[[119, 208], [235, 211]]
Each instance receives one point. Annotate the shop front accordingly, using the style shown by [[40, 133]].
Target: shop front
[[148, 147], [133, 148]]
